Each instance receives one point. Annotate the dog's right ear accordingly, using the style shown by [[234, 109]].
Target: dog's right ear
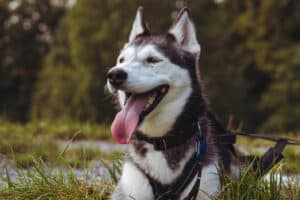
[[139, 26]]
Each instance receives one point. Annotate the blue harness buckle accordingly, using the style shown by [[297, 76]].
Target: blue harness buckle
[[200, 144]]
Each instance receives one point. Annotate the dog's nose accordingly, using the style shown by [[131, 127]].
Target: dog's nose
[[117, 77]]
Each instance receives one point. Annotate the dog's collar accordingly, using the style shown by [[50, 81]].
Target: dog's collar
[[170, 141]]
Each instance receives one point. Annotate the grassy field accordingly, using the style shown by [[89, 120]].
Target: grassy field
[[38, 184], [38, 140], [33, 151]]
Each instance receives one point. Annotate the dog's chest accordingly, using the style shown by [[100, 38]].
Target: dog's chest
[[159, 165]]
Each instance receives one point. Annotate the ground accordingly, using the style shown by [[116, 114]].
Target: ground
[[72, 160]]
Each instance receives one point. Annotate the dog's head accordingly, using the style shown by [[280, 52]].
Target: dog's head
[[153, 77]]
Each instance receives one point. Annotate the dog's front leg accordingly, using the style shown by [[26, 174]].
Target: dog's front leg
[[133, 185], [210, 182]]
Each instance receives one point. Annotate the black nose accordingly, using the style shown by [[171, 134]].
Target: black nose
[[117, 77]]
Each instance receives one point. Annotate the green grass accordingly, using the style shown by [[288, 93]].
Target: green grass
[[248, 187], [37, 140], [25, 144], [39, 184], [78, 158]]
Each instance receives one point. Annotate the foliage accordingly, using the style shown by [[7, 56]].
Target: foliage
[[75, 72], [265, 46], [60, 130], [39, 184], [25, 36], [27, 145], [251, 48], [248, 187], [40, 140]]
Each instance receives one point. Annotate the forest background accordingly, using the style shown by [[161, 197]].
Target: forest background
[[54, 55]]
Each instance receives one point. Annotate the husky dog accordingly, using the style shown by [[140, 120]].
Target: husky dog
[[158, 87]]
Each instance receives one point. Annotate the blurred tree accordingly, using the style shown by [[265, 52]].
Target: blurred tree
[[249, 60], [282, 98], [62, 89], [93, 33], [25, 36], [241, 74], [97, 30], [222, 79], [5, 79], [264, 47]]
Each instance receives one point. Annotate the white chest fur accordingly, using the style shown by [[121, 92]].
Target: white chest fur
[[135, 184], [156, 165]]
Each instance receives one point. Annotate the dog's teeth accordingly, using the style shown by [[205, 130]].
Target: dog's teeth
[[150, 101]]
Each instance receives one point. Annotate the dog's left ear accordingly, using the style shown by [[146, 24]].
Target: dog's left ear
[[139, 26], [184, 32]]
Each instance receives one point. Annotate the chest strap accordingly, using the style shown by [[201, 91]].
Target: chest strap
[[174, 190]]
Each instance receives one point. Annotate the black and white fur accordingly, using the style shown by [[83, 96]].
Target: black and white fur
[[178, 52]]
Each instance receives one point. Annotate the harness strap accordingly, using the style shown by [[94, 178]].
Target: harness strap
[[194, 191], [173, 191]]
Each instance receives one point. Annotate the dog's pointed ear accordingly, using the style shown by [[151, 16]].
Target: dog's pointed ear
[[184, 32], [139, 26]]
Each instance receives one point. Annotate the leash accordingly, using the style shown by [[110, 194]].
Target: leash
[[273, 138], [261, 165]]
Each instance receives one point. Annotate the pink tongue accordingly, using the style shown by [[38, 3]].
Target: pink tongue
[[127, 119]]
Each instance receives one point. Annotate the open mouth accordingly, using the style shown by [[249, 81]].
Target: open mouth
[[136, 108], [153, 98]]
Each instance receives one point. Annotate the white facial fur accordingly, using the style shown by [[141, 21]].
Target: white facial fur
[[143, 77]]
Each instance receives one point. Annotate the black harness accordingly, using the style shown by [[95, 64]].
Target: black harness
[[193, 168], [191, 171]]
